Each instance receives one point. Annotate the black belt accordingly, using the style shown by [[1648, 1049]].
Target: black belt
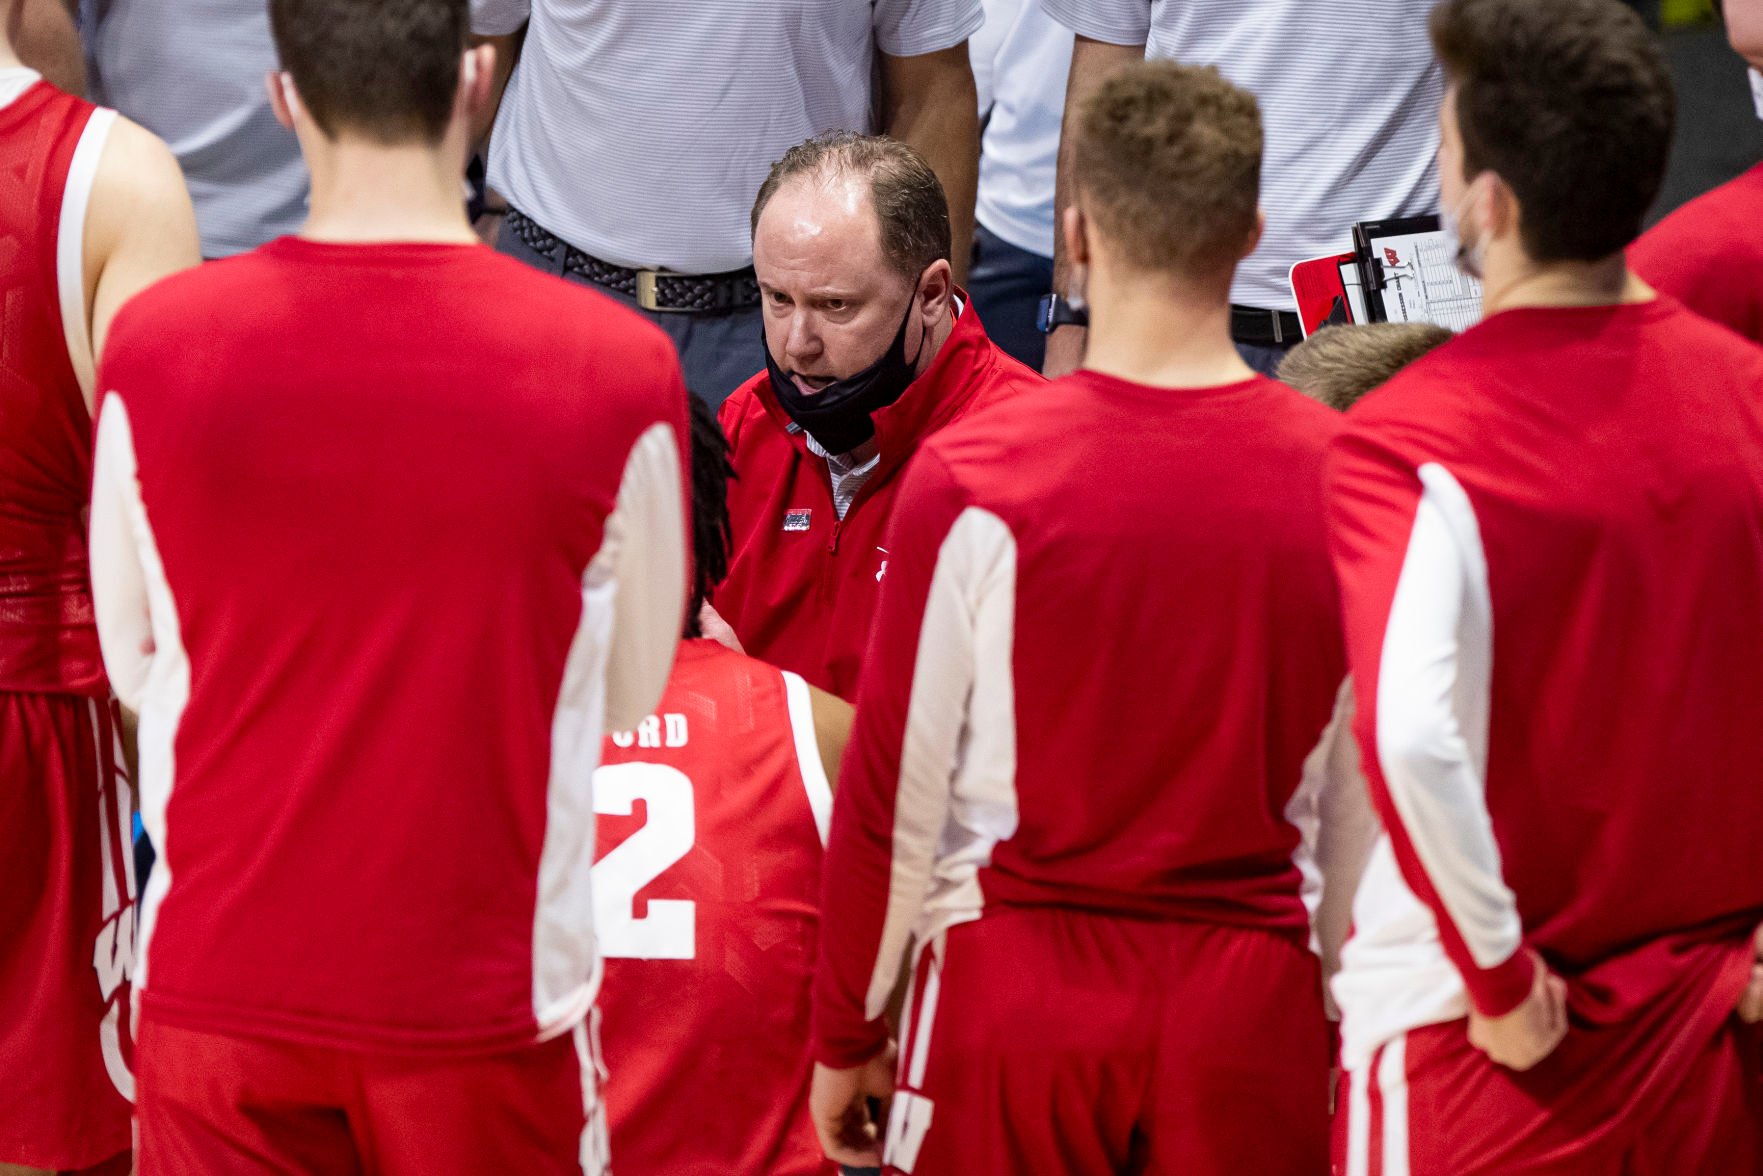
[[1265, 328], [653, 290]]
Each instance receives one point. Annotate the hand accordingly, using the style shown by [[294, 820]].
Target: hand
[[711, 624], [1065, 351], [1750, 1008], [838, 1102], [1530, 1032]]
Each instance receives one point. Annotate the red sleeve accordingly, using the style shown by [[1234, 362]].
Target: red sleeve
[[884, 828], [1374, 501]]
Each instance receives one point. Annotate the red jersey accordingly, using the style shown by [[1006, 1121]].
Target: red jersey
[[712, 818], [52, 143], [1092, 688], [802, 584], [1549, 537], [401, 525], [1708, 255]]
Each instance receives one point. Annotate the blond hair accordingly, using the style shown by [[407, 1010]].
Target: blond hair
[[1338, 365], [1168, 165]]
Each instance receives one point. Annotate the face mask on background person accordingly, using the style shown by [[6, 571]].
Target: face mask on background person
[[1468, 257], [838, 417]]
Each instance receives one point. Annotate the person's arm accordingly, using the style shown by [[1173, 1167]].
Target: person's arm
[[929, 102], [934, 713], [49, 42], [140, 226], [1338, 827], [119, 578], [833, 717], [1092, 63], [501, 23], [643, 563], [1407, 549]]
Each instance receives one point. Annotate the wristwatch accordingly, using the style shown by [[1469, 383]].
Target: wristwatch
[[1056, 311]]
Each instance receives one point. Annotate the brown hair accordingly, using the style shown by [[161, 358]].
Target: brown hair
[[386, 69], [1168, 165], [1570, 102], [1338, 365], [907, 195]]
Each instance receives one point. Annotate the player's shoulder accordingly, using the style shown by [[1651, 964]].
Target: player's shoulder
[[1706, 230]]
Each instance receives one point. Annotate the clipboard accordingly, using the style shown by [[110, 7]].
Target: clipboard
[[1409, 274], [1399, 271]]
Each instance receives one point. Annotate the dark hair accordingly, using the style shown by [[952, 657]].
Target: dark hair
[[386, 69], [1338, 365], [1168, 165], [1570, 102], [711, 534], [908, 197]]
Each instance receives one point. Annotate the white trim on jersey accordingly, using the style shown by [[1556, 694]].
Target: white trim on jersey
[[1435, 679], [142, 640], [1389, 1069], [596, 1150], [808, 761], [1392, 1085], [957, 788], [633, 596], [70, 250]]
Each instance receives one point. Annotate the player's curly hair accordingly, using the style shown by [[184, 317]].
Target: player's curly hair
[[711, 534]]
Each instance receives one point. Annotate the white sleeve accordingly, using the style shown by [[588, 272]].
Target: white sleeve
[[497, 18], [643, 560], [1116, 22], [911, 28], [119, 582], [1338, 826], [1433, 697]]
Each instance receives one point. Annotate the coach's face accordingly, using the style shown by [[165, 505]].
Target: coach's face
[[833, 304]]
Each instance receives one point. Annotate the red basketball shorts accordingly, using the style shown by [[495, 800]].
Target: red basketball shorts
[[67, 931], [1056, 1041], [1674, 1092], [217, 1103]]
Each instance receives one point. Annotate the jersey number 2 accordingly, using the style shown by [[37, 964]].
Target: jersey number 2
[[669, 930]]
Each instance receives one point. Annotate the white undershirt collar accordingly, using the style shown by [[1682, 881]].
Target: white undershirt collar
[[15, 80]]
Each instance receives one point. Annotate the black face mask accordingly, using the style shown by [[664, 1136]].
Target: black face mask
[[838, 416]]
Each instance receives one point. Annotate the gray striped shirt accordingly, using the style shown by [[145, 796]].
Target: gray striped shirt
[[1349, 94], [639, 130]]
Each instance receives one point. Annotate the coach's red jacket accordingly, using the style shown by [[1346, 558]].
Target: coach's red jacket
[[802, 585]]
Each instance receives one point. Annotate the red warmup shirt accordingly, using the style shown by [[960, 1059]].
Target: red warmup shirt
[[1709, 255], [802, 585], [707, 893], [48, 643], [1549, 539], [1093, 684], [402, 526]]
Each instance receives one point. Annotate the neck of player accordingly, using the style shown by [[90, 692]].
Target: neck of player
[[1162, 330], [364, 192], [1512, 280]]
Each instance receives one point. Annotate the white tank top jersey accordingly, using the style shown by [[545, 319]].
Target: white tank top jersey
[[640, 130], [1349, 93]]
